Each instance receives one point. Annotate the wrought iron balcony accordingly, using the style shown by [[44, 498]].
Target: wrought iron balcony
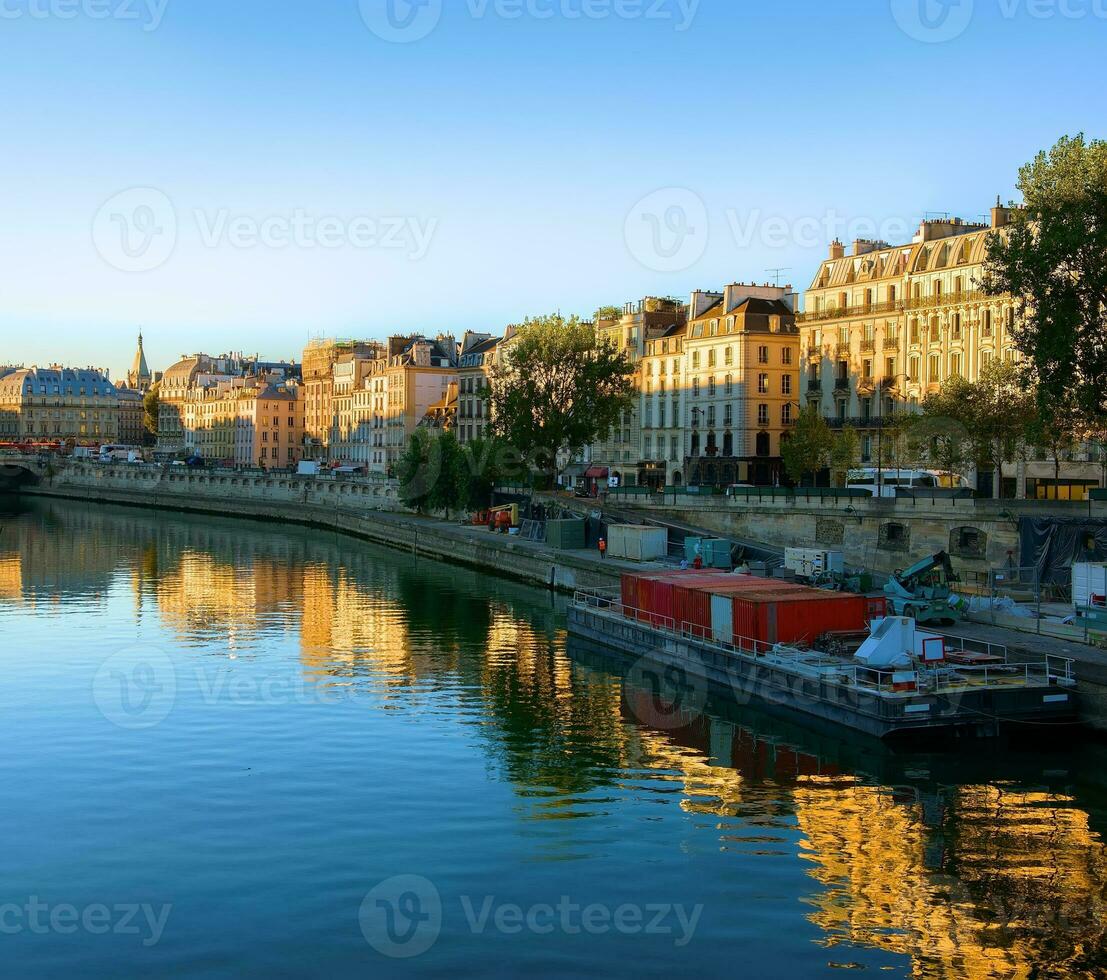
[[838, 312], [948, 299]]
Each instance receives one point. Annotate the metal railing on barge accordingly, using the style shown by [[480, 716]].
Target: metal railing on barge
[[951, 679]]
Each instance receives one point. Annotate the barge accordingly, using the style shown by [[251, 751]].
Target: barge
[[902, 682]]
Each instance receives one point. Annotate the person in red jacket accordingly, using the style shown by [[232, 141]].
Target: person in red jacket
[[603, 548]]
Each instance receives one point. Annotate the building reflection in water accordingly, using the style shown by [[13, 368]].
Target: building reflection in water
[[968, 878]]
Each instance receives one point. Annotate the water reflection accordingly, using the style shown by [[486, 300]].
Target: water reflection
[[979, 865]]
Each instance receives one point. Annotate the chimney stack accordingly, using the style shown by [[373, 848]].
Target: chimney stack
[[837, 249]]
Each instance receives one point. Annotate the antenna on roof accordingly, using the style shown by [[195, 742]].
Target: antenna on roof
[[777, 273]]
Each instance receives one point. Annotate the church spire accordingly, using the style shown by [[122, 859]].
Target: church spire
[[139, 376]]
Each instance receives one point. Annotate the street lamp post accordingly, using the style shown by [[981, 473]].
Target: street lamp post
[[880, 430]]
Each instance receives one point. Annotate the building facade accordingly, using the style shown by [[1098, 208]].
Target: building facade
[[59, 405], [619, 457], [182, 391], [249, 422], [718, 394], [475, 362], [884, 326], [132, 416], [320, 358]]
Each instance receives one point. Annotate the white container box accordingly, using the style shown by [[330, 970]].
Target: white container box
[[636, 543], [1089, 578], [810, 562]]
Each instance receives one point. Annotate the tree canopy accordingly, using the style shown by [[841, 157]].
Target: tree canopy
[[807, 449], [558, 389], [1053, 259]]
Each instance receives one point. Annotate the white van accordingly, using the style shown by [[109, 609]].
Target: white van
[[892, 479]]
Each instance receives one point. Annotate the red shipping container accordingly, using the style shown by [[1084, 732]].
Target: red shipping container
[[797, 616]]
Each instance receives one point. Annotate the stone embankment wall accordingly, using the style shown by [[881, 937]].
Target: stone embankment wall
[[362, 508], [881, 535]]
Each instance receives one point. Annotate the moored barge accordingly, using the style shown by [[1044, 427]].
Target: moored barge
[[901, 681]]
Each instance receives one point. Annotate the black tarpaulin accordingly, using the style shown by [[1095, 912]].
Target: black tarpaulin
[[1052, 544]]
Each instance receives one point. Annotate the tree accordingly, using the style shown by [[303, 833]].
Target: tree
[[418, 470], [558, 388], [608, 313], [151, 404], [807, 450], [845, 455], [1056, 429], [1053, 259], [945, 435], [480, 468]]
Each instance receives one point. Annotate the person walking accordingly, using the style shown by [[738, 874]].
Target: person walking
[[603, 548]]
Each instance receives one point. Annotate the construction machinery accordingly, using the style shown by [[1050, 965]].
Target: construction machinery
[[924, 593]]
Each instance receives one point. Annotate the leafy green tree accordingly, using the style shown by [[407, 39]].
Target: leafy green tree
[[443, 493], [845, 455], [558, 388], [608, 313], [150, 404], [808, 449], [1053, 259], [419, 470], [482, 465], [1056, 429]]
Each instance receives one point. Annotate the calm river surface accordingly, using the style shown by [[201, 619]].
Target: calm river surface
[[238, 749]]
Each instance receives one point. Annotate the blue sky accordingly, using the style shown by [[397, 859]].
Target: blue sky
[[517, 159]]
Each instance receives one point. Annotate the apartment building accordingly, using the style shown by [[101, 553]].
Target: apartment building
[[179, 415], [320, 358], [884, 326], [256, 421], [58, 404], [618, 456], [418, 374], [476, 359]]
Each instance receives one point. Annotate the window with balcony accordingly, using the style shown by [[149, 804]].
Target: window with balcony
[[762, 384], [786, 384], [762, 414], [786, 414], [728, 356], [762, 355], [728, 415], [786, 356]]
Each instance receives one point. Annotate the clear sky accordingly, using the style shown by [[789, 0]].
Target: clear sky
[[168, 163]]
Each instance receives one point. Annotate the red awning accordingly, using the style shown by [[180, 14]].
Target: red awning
[[597, 473]]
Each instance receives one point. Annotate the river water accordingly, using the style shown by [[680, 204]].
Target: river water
[[239, 749]]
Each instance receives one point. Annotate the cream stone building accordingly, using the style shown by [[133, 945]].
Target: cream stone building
[[884, 326], [254, 422], [58, 404], [319, 361], [718, 394], [618, 457]]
